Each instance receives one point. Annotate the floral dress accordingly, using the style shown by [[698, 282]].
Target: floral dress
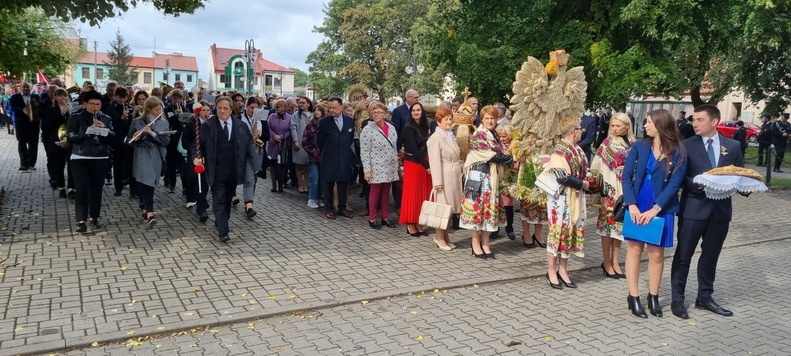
[[610, 155], [533, 210], [566, 213], [481, 210]]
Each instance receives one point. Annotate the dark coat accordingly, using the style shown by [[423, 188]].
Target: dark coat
[[337, 155], [22, 122], [694, 204], [245, 148], [399, 120], [666, 184], [589, 125]]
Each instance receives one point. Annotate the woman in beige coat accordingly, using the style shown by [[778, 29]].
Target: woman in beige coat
[[445, 165]]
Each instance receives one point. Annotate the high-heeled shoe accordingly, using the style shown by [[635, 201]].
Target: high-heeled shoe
[[613, 276], [532, 243], [483, 255], [443, 248], [413, 234], [636, 307], [540, 244], [568, 284], [489, 255], [653, 305], [554, 285]]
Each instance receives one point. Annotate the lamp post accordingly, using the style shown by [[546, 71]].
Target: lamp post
[[330, 74], [167, 71], [251, 56], [414, 70]]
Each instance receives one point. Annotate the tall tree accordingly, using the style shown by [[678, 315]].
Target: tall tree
[[94, 12], [300, 77], [120, 56]]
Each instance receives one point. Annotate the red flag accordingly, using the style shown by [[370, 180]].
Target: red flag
[[2, 77], [42, 78]]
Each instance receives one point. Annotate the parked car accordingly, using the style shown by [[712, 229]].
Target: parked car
[[727, 128]]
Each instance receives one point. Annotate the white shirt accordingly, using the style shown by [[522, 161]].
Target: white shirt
[[715, 144], [230, 126]]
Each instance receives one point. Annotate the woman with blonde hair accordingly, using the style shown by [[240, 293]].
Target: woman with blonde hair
[[150, 149], [608, 163]]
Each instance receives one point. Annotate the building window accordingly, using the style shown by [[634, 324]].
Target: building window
[[224, 79], [189, 78], [99, 73], [178, 77], [165, 76], [147, 78], [268, 81], [86, 72]]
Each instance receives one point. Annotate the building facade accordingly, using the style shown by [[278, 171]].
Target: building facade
[[229, 70], [93, 67]]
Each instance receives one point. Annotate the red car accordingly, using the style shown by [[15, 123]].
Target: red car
[[727, 128]]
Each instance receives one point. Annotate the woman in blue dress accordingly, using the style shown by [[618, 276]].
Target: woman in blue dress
[[652, 176]]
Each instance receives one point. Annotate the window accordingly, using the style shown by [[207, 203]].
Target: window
[[224, 79], [189, 78], [86, 72], [178, 76], [99, 73], [147, 78], [165, 76]]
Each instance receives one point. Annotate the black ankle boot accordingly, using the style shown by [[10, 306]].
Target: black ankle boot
[[653, 305], [636, 307], [456, 222]]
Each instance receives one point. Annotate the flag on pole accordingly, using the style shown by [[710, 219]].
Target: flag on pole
[[42, 78], [2, 77]]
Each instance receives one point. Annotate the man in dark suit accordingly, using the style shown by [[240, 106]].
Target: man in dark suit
[[764, 138], [781, 130], [604, 126], [225, 149], [335, 137], [701, 217], [25, 107], [588, 125]]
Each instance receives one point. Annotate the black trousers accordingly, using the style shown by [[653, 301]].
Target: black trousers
[[145, 195], [191, 187], [174, 161], [762, 152], [713, 233], [328, 195], [397, 189], [122, 166], [88, 179], [221, 192], [780, 152], [27, 147], [56, 160]]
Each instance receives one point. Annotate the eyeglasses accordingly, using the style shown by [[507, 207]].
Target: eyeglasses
[[379, 113], [578, 129]]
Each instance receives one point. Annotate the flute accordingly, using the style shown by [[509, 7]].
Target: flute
[[139, 133]]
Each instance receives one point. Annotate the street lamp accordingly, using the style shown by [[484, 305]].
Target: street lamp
[[414, 70], [251, 56], [330, 74], [167, 71], [24, 51]]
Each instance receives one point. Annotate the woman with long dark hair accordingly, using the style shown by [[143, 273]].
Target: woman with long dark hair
[[417, 174], [652, 177], [311, 147]]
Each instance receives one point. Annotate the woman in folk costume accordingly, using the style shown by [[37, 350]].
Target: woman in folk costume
[[608, 163], [483, 166], [567, 210]]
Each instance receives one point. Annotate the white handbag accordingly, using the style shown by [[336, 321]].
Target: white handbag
[[433, 214], [548, 183]]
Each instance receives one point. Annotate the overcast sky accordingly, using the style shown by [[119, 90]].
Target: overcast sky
[[282, 30]]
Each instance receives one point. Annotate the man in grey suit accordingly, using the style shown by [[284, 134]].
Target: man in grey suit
[[701, 217]]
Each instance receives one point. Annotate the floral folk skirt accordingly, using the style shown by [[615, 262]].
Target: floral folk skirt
[[606, 225], [565, 237], [533, 213], [482, 213]]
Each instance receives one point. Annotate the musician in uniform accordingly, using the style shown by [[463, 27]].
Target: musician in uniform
[[764, 138], [196, 192], [256, 130], [54, 116], [226, 148], [147, 136], [174, 160], [780, 133], [121, 114], [24, 106]]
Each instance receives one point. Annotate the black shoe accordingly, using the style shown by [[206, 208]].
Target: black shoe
[[713, 307], [224, 238], [203, 216], [636, 307], [172, 189], [490, 255], [23, 169], [117, 193], [415, 234], [532, 243], [152, 221], [511, 235], [249, 212], [679, 310], [95, 223], [375, 225], [568, 284], [540, 244], [62, 194], [554, 285], [778, 171], [483, 255], [613, 276], [388, 224], [455, 219], [72, 194], [235, 201], [53, 185], [494, 235], [81, 227], [653, 305], [31, 168]]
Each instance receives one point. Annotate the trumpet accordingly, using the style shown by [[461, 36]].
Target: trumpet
[[139, 133]]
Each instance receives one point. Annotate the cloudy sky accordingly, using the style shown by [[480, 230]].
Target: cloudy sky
[[282, 30]]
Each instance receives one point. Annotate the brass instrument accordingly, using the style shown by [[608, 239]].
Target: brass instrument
[[139, 133], [257, 137], [63, 131]]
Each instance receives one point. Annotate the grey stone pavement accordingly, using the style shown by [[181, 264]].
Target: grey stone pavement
[[292, 282]]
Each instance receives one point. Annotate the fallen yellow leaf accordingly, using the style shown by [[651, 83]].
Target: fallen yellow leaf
[[436, 290], [420, 338], [244, 295], [196, 290], [547, 338], [95, 344], [130, 332], [123, 268], [364, 302], [272, 297], [251, 326], [189, 313], [160, 328], [133, 302]]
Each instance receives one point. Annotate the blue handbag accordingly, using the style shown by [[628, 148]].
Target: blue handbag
[[650, 234]]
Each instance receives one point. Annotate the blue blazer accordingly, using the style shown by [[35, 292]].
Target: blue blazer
[[666, 185], [337, 155], [695, 205]]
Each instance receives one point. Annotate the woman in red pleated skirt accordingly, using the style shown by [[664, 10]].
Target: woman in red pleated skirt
[[417, 175]]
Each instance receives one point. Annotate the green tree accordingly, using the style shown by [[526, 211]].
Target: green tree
[[120, 56], [94, 12], [301, 78]]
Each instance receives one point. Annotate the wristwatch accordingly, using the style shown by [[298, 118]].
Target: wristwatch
[[658, 208]]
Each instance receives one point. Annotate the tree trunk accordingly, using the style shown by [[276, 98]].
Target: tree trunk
[[695, 95]]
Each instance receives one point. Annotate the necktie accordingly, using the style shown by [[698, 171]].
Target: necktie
[[710, 151], [339, 122], [225, 130]]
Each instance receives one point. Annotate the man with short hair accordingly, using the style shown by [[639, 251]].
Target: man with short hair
[[780, 133], [765, 138], [120, 116], [588, 124], [455, 105], [25, 106], [701, 217], [108, 95], [474, 103], [740, 135], [501, 119], [604, 126], [157, 93], [335, 137], [225, 147]]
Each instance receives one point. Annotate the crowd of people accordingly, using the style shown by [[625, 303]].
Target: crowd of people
[[322, 147]]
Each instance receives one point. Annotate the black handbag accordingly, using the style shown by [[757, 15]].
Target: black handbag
[[618, 209]]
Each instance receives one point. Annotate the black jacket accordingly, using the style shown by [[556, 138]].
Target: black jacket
[[89, 145], [779, 128], [245, 148], [765, 136], [415, 149]]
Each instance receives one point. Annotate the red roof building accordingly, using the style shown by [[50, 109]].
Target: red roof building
[[228, 70]]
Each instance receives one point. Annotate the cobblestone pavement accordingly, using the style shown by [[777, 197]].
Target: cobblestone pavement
[[63, 290]]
